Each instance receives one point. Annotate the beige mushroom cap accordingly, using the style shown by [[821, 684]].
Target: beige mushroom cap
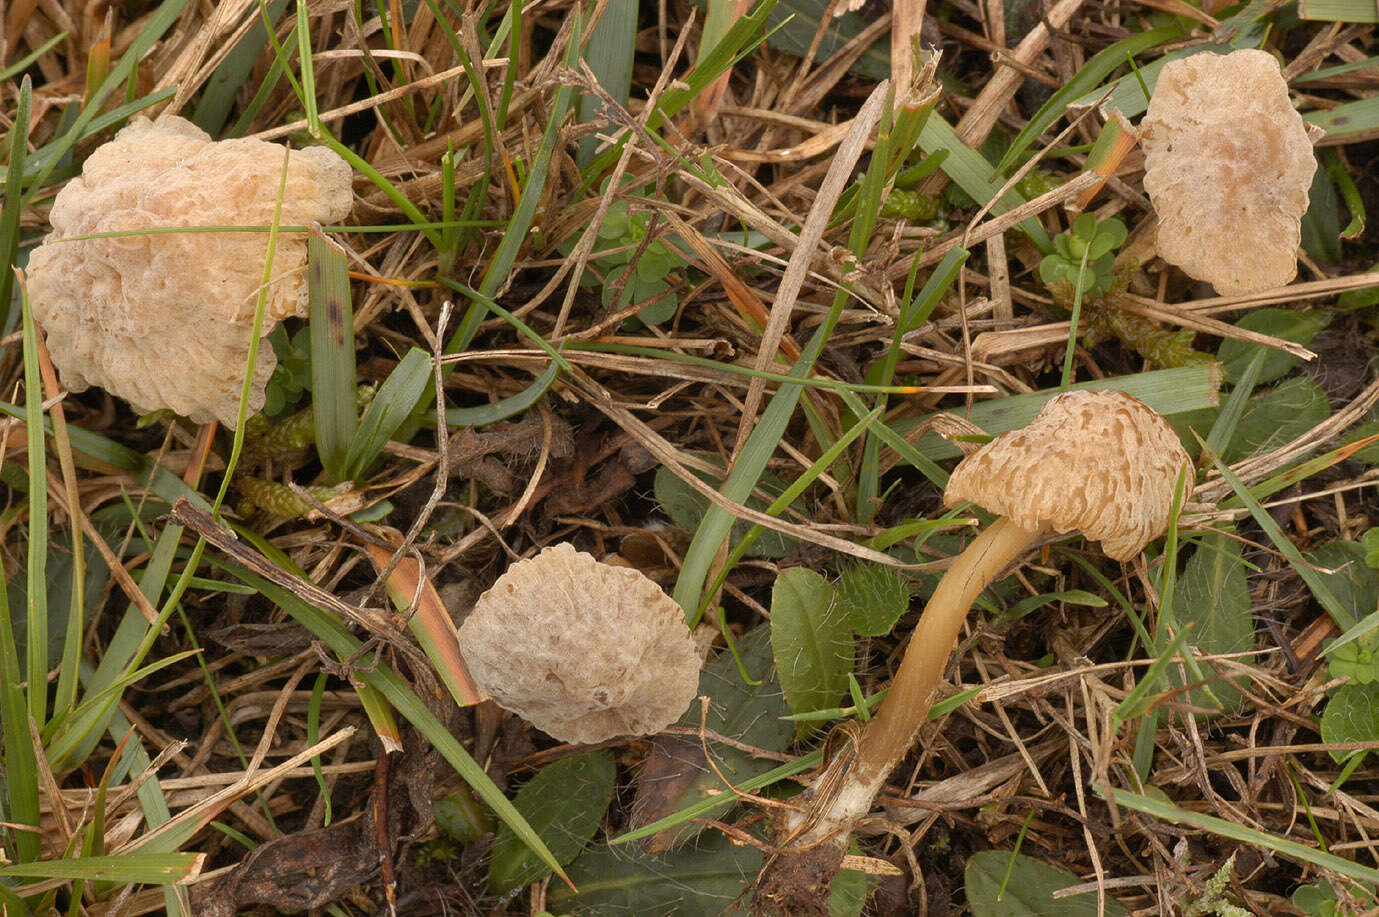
[[1228, 164], [582, 650], [164, 320], [1101, 463]]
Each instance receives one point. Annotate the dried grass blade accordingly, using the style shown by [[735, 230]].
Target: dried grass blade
[[430, 623]]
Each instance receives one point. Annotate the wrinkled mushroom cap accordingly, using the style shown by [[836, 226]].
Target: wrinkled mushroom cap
[[1101, 463], [582, 650], [1228, 163], [164, 320]]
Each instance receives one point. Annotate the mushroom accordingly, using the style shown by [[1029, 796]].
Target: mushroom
[[1228, 164], [582, 650], [164, 319], [1102, 463]]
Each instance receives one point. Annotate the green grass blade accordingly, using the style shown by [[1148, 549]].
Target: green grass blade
[[789, 496], [970, 171], [129, 868], [80, 735], [709, 804], [223, 88], [21, 764], [390, 408], [496, 274], [741, 39], [1085, 81], [10, 232], [504, 408], [1324, 596], [39, 160], [1338, 10], [1223, 430], [332, 353], [1219, 826], [1358, 117], [612, 46], [1248, 29], [308, 70], [36, 669], [914, 314], [756, 452], [161, 482], [27, 61], [1169, 391]]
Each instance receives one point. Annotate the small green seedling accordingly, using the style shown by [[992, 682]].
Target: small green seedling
[[292, 376], [1088, 249], [610, 266]]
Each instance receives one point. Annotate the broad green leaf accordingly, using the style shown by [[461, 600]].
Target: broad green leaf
[[1001, 884], [745, 705], [704, 880], [795, 24], [686, 508], [1300, 327], [1278, 416], [565, 803], [1354, 584], [849, 890], [873, 598], [1352, 715], [811, 639], [1356, 588], [1213, 596], [1321, 224], [1316, 900], [462, 817]]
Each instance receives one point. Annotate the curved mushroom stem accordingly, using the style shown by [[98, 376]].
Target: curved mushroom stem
[[844, 792]]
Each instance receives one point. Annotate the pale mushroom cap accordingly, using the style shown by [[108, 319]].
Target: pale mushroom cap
[[164, 321], [1102, 463], [582, 650], [1228, 164]]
